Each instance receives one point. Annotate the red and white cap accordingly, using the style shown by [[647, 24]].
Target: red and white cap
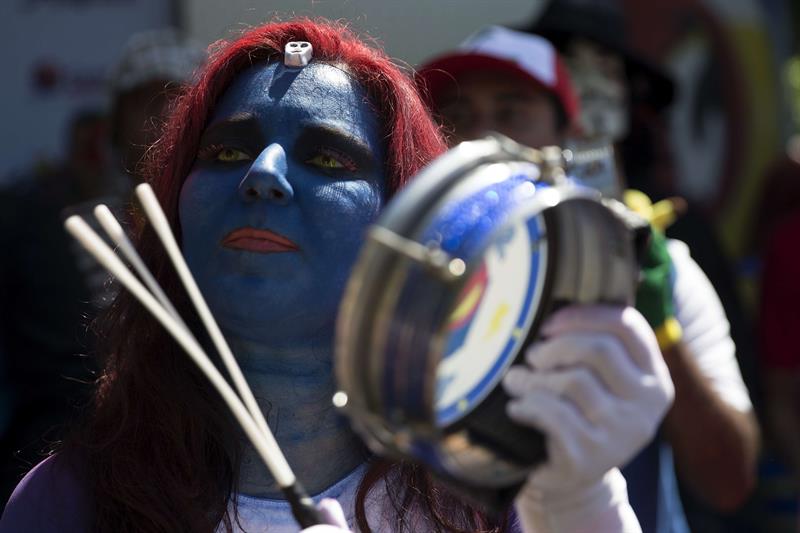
[[494, 48]]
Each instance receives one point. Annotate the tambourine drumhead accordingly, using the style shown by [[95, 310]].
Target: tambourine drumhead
[[492, 312], [451, 285], [497, 298]]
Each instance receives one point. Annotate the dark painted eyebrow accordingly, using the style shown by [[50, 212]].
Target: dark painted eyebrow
[[340, 139], [240, 125]]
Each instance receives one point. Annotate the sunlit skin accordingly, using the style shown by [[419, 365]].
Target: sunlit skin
[[485, 101], [289, 174]]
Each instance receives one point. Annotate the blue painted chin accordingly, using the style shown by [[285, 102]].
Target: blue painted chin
[[288, 176]]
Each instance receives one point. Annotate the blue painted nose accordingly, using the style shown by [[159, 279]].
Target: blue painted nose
[[266, 178]]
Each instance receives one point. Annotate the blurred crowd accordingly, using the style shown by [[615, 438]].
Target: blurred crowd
[[51, 288], [581, 74]]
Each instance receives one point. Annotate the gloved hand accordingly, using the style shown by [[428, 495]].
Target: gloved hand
[[333, 515], [598, 387]]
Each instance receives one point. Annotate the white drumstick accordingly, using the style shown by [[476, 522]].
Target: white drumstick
[[265, 444], [160, 224], [114, 230]]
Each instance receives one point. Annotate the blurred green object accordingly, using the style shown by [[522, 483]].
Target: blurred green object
[[654, 294]]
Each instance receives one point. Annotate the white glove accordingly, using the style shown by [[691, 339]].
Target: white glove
[[333, 515], [599, 507], [598, 388]]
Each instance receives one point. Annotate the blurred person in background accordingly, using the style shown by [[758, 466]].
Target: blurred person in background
[[634, 96], [516, 84], [776, 243], [779, 356], [47, 295], [49, 287], [502, 81]]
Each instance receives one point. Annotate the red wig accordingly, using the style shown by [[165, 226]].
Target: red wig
[[412, 140], [161, 449]]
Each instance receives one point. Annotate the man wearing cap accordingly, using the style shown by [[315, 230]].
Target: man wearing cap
[[516, 84], [592, 34], [490, 84]]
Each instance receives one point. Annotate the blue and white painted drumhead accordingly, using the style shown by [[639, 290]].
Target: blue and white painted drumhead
[[491, 317]]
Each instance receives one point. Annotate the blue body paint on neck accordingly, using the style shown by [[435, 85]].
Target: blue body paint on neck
[[289, 175]]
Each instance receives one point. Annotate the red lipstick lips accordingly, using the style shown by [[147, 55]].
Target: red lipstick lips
[[261, 241]]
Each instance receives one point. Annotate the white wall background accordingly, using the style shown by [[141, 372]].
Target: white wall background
[[74, 41], [410, 30]]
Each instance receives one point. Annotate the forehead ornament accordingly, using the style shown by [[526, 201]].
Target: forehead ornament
[[297, 54]]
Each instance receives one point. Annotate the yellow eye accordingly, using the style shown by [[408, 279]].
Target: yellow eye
[[231, 155], [325, 161]]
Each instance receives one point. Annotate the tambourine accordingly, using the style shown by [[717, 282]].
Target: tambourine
[[451, 285]]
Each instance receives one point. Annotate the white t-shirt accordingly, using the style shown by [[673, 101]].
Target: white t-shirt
[[275, 516], [706, 337], [262, 514], [706, 331]]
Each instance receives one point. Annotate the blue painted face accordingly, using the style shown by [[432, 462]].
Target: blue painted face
[[288, 176]]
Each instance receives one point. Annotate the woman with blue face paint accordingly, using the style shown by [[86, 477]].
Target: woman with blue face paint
[[271, 173]]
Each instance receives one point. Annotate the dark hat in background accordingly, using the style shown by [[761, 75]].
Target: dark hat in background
[[530, 58], [604, 23]]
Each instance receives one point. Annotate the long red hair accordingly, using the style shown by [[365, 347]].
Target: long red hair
[[161, 449]]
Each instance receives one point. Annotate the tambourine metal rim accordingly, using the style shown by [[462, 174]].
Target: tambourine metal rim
[[379, 276], [406, 424], [386, 282], [368, 273], [445, 282]]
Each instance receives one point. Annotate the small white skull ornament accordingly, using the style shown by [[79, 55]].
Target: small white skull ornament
[[297, 54]]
